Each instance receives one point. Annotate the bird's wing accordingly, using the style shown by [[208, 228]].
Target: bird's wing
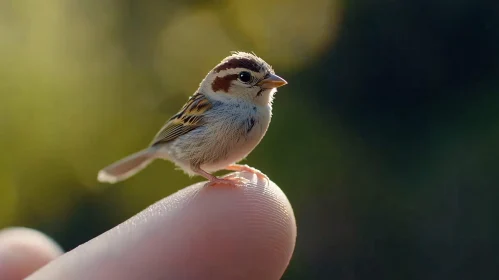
[[187, 119]]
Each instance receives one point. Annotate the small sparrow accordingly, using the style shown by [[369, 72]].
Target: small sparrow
[[218, 126]]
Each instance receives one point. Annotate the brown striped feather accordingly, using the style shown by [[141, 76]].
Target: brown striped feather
[[239, 62], [189, 118]]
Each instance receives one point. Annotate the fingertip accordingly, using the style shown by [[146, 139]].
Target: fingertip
[[23, 251], [242, 232], [270, 222]]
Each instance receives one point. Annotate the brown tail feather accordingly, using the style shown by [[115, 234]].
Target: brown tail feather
[[127, 167]]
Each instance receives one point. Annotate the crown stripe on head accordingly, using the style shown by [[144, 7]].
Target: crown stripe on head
[[239, 62]]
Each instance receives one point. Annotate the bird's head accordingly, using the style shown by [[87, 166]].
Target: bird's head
[[242, 77]]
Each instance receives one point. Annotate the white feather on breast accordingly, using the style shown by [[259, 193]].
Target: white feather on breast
[[232, 131]]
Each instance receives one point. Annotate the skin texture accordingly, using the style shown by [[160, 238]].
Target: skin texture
[[215, 232]]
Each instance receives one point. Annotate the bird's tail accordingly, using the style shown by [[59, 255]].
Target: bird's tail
[[127, 167]]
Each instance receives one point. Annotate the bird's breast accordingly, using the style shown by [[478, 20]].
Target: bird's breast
[[238, 132]]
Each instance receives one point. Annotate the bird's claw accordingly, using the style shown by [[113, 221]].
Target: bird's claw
[[247, 168]]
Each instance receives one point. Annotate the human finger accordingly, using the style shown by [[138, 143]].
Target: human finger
[[23, 251], [200, 232]]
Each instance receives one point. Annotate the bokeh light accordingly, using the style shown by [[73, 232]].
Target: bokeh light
[[385, 140]]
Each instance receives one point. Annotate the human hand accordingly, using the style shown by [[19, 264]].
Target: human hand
[[199, 232]]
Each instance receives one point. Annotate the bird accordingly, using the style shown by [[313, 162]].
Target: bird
[[219, 125]]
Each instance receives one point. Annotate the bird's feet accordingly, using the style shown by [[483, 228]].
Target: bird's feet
[[247, 168], [229, 181], [232, 180]]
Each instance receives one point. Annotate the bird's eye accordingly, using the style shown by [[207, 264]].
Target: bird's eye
[[245, 77]]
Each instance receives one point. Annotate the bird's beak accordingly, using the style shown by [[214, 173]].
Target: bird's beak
[[272, 81]]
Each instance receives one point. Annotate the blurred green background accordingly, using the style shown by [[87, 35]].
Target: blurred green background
[[386, 139]]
